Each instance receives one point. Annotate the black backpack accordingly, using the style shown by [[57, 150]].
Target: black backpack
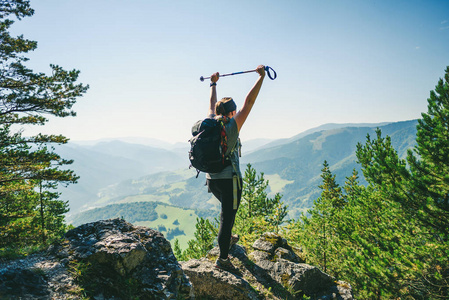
[[206, 153]]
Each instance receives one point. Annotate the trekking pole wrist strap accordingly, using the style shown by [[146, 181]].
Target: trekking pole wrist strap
[[271, 76]]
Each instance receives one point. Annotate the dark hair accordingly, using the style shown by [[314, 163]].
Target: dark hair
[[225, 106]]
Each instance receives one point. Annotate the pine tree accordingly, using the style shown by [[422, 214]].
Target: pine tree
[[257, 212], [352, 187], [359, 237], [319, 228], [420, 186], [198, 247], [429, 165], [429, 161], [254, 193], [177, 251], [389, 239], [26, 162]]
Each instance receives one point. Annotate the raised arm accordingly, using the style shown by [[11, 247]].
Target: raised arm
[[213, 93], [243, 113]]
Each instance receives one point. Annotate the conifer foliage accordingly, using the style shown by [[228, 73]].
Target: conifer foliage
[[205, 234], [389, 239], [30, 170], [258, 213], [323, 218]]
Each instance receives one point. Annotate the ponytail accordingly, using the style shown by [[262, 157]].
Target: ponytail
[[225, 106]]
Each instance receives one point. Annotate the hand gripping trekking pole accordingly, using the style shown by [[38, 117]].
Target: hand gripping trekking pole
[[267, 69]]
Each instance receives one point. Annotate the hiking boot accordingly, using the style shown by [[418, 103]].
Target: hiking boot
[[234, 240], [226, 265]]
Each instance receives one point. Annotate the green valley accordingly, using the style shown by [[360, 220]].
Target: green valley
[[172, 221]]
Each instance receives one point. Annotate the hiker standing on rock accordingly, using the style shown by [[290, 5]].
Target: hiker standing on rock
[[227, 184]]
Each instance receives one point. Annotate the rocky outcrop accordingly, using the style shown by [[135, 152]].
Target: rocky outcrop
[[211, 283], [113, 259], [271, 270], [109, 259]]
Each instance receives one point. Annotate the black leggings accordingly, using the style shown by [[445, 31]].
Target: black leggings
[[223, 190]]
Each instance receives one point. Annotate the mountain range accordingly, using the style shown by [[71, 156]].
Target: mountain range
[[300, 160], [107, 163], [116, 171]]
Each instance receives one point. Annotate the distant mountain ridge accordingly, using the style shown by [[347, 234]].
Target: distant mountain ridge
[[107, 163], [156, 143], [327, 126], [278, 148], [295, 165]]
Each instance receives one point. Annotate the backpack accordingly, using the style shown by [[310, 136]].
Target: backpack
[[206, 150]]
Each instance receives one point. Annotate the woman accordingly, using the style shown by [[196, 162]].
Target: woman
[[227, 185]]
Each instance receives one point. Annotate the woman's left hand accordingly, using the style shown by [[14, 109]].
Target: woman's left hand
[[261, 70]]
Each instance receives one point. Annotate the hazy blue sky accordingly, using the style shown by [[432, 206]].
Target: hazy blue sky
[[337, 61]]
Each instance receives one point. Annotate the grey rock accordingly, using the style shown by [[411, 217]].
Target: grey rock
[[271, 270], [119, 251], [283, 265], [210, 282], [109, 259], [268, 243]]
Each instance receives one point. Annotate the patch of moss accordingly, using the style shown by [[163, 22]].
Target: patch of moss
[[38, 271], [90, 281], [343, 284], [285, 279], [272, 239]]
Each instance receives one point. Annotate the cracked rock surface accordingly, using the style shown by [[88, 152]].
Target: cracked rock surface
[[271, 270], [109, 259]]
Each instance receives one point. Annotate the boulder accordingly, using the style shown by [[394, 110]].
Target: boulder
[[272, 269], [109, 259], [210, 282]]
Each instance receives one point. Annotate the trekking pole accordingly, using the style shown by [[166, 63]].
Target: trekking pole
[[267, 69]]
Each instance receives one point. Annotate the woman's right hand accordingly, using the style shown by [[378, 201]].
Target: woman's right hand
[[214, 77]]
